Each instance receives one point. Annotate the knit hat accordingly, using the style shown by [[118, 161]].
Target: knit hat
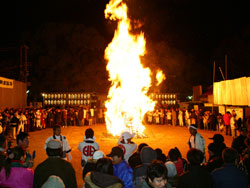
[[171, 169], [98, 154], [54, 144], [53, 181], [147, 154]]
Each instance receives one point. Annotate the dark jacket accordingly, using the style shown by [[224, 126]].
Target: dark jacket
[[213, 163], [58, 167], [229, 176], [98, 179], [196, 177]]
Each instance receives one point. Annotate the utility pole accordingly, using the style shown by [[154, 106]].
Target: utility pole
[[213, 86], [24, 73]]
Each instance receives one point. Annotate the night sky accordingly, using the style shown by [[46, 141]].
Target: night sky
[[184, 38]]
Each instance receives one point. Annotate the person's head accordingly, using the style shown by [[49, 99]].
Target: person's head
[[229, 155], [147, 155], [195, 157], [54, 148], [89, 133], [141, 146], [104, 165], [173, 154], [16, 153], [2, 141], [193, 129], [157, 174], [57, 130], [217, 138], [126, 137], [244, 132], [117, 155], [22, 140]]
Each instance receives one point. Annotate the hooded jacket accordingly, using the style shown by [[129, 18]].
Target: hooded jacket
[[101, 180], [147, 155]]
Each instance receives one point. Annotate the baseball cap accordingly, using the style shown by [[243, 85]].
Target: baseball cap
[[98, 154], [218, 138], [193, 126], [116, 151], [54, 144], [127, 135]]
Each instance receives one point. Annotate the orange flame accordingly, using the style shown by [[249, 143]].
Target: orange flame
[[127, 99]]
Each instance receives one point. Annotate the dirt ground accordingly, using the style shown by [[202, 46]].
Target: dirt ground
[[157, 136]]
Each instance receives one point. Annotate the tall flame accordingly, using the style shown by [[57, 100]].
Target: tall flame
[[127, 99]]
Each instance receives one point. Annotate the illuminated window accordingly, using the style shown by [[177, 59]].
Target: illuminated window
[[81, 101], [81, 96], [88, 96], [45, 102]]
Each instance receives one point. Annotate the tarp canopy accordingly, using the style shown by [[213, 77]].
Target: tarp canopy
[[232, 92]]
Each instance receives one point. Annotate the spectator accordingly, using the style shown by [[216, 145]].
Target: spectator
[[55, 165], [147, 155], [174, 156], [91, 163], [22, 140], [172, 173], [160, 156], [127, 145], [196, 140], [239, 142], [226, 119], [103, 176], [2, 150], [121, 169], [65, 144], [229, 176], [197, 176], [135, 159], [156, 176], [215, 157], [88, 146], [15, 174]]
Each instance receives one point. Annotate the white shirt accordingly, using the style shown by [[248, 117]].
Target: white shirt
[[88, 149], [128, 149]]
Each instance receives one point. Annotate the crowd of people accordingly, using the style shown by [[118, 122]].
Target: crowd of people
[[128, 164], [30, 119], [12, 120]]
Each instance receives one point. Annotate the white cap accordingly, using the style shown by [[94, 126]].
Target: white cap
[[127, 135], [98, 154]]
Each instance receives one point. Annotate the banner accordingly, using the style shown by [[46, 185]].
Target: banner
[[232, 92], [6, 83]]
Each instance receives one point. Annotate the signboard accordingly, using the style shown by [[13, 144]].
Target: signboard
[[6, 83]]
